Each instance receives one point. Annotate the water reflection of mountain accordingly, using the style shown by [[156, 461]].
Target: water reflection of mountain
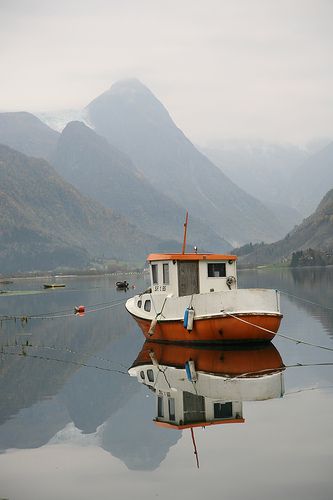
[[311, 284], [84, 396], [28, 379], [130, 435], [92, 396], [205, 386], [119, 413], [96, 402], [316, 285], [35, 426], [41, 397]]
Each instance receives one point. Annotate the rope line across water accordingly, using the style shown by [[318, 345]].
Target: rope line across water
[[65, 313], [292, 339], [105, 305], [306, 300]]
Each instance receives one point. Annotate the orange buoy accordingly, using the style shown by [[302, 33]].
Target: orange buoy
[[80, 310]]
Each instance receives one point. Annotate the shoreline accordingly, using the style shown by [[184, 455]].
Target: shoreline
[[85, 274]]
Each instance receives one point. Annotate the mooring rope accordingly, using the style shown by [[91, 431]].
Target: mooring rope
[[59, 349], [269, 371], [65, 313], [319, 388], [65, 361], [298, 341], [105, 305], [306, 300]]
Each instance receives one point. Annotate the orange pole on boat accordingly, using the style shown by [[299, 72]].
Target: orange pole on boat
[[185, 231]]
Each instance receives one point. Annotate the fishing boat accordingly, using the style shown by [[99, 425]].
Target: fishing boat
[[204, 386], [194, 297]]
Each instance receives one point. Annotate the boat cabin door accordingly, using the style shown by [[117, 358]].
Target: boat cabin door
[[194, 408], [188, 277]]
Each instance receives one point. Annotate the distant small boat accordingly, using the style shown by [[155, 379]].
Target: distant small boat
[[122, 285], [5, 282], [54, 285]]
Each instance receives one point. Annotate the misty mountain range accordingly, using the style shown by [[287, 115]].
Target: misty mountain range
[[288, 179], [119, 184], [131, 117], [102, 172]]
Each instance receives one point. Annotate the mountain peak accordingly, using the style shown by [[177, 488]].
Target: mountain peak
[[25, 132], [127, 101], [75, 126], [133, 85], [129, 90]]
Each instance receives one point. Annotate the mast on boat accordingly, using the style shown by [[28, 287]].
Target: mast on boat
[[185, 233]]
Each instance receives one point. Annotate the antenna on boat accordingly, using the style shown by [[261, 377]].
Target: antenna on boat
[[195, 447], [185, 231]]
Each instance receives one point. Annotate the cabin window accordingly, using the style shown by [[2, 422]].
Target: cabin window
[[166, 274], [172, 409], [147, 306], [142, 375], [160, 406], [150, 375], [154, 272], [223, 410], [139, 303], [216, 270]]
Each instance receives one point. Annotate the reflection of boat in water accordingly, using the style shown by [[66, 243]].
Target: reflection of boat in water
[[197, 386], [54, 285], [195, 298]]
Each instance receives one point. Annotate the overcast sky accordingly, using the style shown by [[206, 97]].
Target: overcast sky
[[223, 68]]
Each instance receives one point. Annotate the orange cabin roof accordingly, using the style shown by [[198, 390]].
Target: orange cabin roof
[[190, 256]]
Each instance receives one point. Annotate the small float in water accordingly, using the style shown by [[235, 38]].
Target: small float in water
[[54, 285], [194, 297], [79, 310]]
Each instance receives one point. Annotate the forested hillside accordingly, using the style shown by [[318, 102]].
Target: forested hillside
[[45, 222], [310, 243]]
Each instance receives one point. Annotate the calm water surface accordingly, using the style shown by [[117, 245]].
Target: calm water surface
[[75, 425]]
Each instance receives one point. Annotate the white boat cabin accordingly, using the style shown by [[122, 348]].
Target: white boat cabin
[[188, 274]]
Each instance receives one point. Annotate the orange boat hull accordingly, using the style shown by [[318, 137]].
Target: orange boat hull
[[241, 328]]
